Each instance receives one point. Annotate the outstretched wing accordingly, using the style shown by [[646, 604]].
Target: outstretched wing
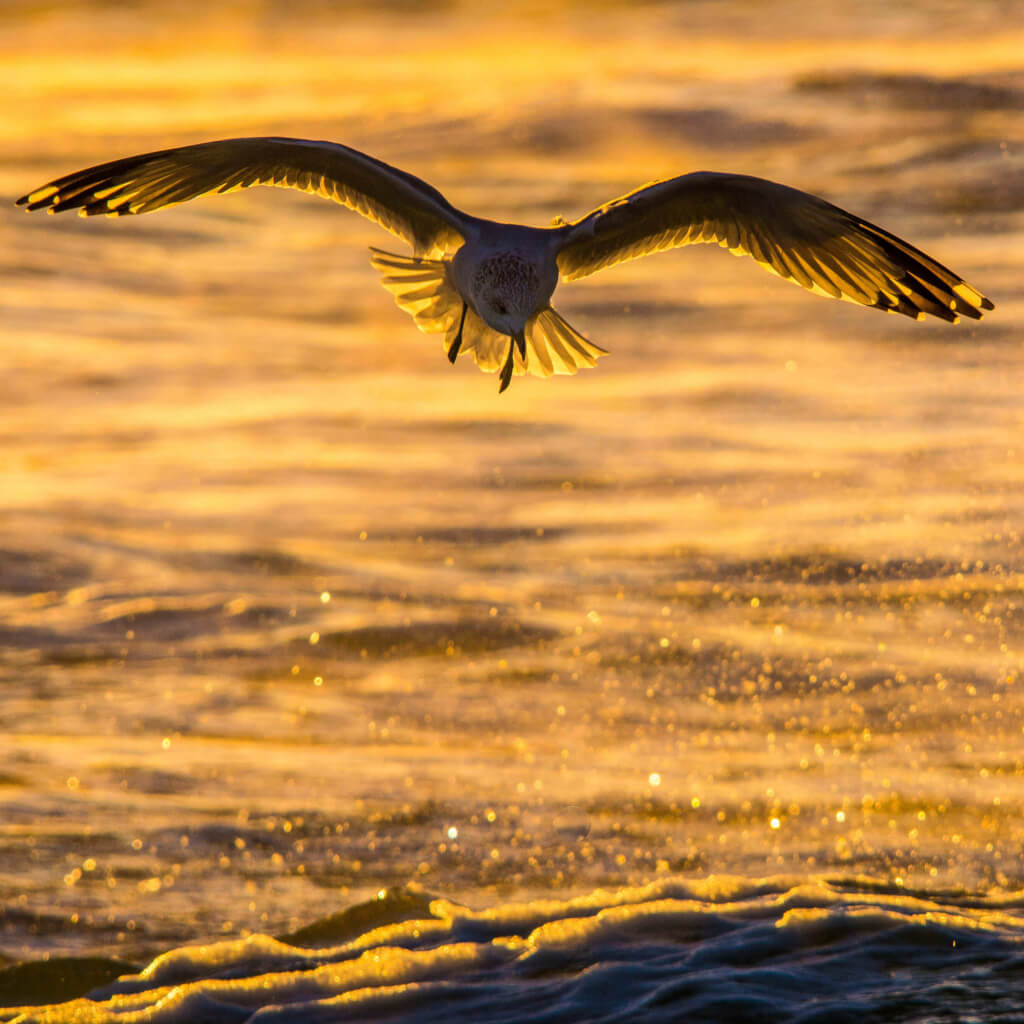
[[796, 235], [397, 201]]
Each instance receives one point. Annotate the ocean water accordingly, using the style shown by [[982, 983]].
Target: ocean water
[[335, 686], [720, 949]]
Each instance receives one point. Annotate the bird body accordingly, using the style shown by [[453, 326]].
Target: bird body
[[507, 272], [487, 286]]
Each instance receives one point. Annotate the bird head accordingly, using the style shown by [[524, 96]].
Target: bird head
[[507, 290], [504, 312]]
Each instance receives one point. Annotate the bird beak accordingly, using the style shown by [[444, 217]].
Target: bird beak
[[520, 339]]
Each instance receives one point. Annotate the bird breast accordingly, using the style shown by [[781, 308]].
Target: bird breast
[[506, 283]]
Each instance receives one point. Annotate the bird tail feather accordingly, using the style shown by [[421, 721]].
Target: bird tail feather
[[552, 346]]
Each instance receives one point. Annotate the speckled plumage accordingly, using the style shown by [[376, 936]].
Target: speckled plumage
[[508, 275]]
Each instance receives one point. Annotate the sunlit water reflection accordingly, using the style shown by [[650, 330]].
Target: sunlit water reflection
[[293, 612]]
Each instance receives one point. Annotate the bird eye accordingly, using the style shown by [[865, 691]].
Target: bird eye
[[500, 308]]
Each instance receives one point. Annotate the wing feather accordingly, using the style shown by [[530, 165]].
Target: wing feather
[[796, 235], [399, 202]]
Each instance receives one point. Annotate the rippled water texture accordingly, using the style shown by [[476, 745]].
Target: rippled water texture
[[293, 613]]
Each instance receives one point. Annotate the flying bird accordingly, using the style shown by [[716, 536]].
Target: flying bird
[[486, 287]]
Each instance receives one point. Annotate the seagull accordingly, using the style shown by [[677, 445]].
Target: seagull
[[487, 286]]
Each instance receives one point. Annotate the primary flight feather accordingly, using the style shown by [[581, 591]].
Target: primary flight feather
[[487, 286]]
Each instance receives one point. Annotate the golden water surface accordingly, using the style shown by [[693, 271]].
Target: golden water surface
[[291, 610]]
